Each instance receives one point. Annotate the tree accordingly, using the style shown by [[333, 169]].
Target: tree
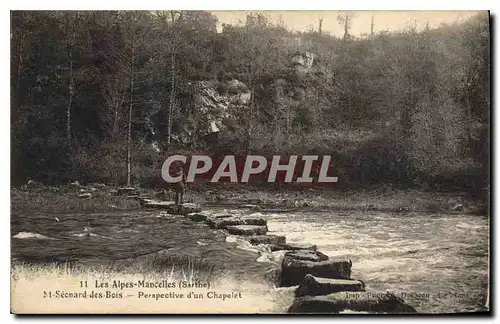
[[170, 22], [345, 19], [69, 22]]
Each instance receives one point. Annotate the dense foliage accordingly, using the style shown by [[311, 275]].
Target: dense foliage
[[404, 107]]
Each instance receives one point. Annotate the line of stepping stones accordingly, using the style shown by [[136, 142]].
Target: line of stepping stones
[[322, 285]]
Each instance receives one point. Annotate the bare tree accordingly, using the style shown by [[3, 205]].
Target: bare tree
[[170, 21], [129, 133], [114, 92], [71, 88], [136, 38], [345, 19]]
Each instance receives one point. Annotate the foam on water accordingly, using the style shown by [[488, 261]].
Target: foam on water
[[30, 235], [264, 251], [413, 252]]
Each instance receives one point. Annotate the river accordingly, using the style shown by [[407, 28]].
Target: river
[[438, 263]]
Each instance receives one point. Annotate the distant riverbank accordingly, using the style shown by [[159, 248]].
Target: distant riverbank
[[101, 198]]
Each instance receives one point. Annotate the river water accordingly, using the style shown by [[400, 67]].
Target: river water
[[438, 263]]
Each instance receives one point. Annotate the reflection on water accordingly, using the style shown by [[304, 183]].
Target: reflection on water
[[439, 261]]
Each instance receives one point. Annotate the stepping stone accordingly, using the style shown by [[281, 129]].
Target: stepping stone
[[222, 223], [247, 230], [335, 303], [314, 286], [157, 203], [267, 239], [221, 216], [141, 199], [292, 247], [199, 217], [307, 255], [293, 270], [184, 209], [127, 191], [249, 206]]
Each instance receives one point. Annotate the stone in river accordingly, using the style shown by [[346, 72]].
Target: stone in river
[[294, 270], [267, 239], [184, 209], [247, 230], [314, 286], [222, 223], [307, 255], [293, 247], [199, 217], [361, 301]]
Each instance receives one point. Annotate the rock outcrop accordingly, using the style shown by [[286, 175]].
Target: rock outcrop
[[303, 61], [213, 104]]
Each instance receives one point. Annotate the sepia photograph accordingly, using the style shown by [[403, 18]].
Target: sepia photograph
[[250, 162]]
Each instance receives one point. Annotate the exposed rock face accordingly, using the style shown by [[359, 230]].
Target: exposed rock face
[[267, 239], [303, 61], [294, 270], [355, 301], [315, 286], [247, 230], [211, 111], [237, 92]]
